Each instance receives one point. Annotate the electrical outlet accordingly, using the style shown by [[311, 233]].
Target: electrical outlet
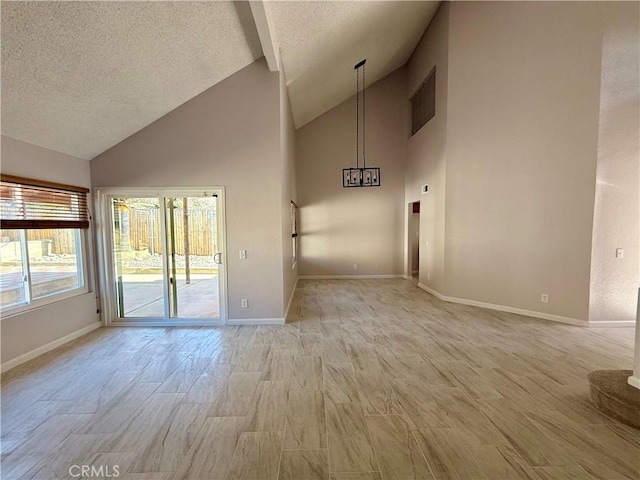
[[355, 266], [619, 252], [243, 254], [544, 298], [245, 303]]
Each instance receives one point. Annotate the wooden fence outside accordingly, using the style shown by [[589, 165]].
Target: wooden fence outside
[[144, 233], [62, 241]]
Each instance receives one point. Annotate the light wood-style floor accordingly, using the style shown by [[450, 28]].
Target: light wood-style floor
[[369, 380]]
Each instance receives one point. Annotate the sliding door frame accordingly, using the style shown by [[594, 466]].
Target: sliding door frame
[[104, 240]]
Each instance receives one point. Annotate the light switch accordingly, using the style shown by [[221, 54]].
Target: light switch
[[619, 252], [243, 254]]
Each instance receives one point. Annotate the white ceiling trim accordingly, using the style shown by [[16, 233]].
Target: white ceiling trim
[[266, 34]]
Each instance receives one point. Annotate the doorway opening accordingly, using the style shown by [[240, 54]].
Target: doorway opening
[[163, 257], [413, 246]]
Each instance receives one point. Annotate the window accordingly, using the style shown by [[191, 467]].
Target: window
[[42, 241], [294, 234], [423, 103]]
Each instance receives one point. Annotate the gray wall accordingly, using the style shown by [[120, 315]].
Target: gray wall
[[229, 135], [339, 226], [289, 190], [21, 333], [510, 157], [524, 87], [426, 150], [614, 281]]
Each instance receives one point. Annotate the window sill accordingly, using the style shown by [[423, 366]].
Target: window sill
[[43, 302]]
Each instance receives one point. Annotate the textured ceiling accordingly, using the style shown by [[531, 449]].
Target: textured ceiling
[[320, 42], [79, 77]]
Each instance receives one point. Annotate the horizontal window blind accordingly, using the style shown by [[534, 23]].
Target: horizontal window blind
[[294, 220], [35, 204]]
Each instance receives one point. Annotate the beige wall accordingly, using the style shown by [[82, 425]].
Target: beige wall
[[614, 282], [339, 226], [24, 332], [522, 130], [426, 149], [289, 191], [229, 135]]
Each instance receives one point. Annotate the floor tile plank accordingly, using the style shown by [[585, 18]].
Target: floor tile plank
[[350, 448], [257, 456], [367, 378]]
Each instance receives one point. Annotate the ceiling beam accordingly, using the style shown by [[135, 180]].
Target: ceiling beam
[[266, 33]]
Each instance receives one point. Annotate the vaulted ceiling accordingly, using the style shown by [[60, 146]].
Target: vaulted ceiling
[[79, 77], [320, 43]]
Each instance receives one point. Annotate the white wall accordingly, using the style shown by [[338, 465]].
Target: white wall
[[614, 282], [289, 190], [426, 149], [522, 130], [228, 135], [25, 332], [340, 227]]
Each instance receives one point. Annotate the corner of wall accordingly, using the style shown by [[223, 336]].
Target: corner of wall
[[427, 151], [29, 334], [288, 189], [614, 277]]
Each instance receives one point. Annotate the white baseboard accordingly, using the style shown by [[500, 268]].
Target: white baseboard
[[503, 308], [431, 291], [614, 323], [634, 381], [407, 277], [286, 312], [36, 352], [346, 277], [255, 321]]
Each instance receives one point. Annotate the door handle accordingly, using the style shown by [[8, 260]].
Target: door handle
[[217, 258]]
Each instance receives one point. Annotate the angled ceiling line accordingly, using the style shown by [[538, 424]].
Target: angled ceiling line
[[266, 34]]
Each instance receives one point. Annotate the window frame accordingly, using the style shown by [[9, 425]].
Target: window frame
[[33, 304], [418, 101], [293, 216], [49, 220]]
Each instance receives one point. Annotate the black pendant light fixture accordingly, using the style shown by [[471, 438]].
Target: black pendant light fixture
[[360, 176]]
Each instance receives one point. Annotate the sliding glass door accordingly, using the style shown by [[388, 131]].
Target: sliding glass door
[[138, 260], [165, 257], [194, 257]]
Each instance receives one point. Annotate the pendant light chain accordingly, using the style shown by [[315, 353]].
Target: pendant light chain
[[357, 118], [361, 176], [364, 143]]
